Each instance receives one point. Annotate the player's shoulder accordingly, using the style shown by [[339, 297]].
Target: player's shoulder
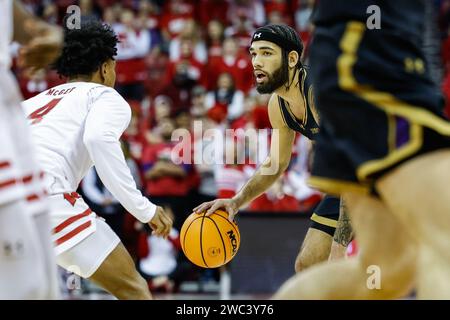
[[99, 91], [273, 100], [275, 116]]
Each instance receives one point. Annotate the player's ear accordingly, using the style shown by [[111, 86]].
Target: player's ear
[[103, 71], [293, 58], [105, 68]]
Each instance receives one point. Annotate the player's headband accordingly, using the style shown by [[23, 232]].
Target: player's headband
[[277, 39]]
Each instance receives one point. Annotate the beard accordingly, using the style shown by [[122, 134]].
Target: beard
[[278, 78]]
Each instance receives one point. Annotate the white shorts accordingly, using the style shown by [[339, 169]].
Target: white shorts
[[24, 271], [86, 257], [71, 220], [82, 240]]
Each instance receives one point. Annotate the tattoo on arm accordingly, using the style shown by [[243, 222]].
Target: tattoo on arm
[[344, 231]]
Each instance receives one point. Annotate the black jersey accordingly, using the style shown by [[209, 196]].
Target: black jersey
[[400, 16], [308, 126]]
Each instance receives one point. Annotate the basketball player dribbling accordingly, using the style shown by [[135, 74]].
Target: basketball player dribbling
[[384, 145], [77, 125], [276, 50], [27, 262]]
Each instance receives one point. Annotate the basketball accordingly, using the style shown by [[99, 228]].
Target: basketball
[[210, 241]]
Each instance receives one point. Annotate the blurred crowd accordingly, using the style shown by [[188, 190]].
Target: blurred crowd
[[182, 63]]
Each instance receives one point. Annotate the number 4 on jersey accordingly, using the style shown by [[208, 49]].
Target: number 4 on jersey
[[39, 114]]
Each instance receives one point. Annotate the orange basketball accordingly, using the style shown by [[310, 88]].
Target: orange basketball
[[210, 242]]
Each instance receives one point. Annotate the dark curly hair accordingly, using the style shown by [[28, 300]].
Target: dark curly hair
[[86, 49]]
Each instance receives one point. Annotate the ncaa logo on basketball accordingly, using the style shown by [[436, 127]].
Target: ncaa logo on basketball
[[233, 240]]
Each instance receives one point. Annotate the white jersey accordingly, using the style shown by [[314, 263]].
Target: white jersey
[[77, 125], [19, 176], [6, 27]]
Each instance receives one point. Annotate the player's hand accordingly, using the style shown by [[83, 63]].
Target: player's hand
[[161, 224], [43, 49], [228, 205]]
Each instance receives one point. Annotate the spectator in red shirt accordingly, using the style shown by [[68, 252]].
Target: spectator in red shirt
[[181, 76], [241, 30], [134, 45], [209, 10], [175, 15], [275, 200], [281, 7], [214, 40], [234, 62], [166, 182]]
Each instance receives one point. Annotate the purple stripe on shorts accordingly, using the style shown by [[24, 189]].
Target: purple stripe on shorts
[[402, 130]]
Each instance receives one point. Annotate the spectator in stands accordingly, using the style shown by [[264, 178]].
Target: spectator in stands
[[109, 16], [207, 190], [150, 14], [134, 45], [226, 97], [193, 34], [198, 106], [175, 14], [275, 17], [279, 7], [303, 19], [165, 182], [213, 10], [247, 11], [181, 76], [156, 65], [276, 199], [161, 108], [159, 266], [234, 62], [231, 176], [241, 30], [214, 40]]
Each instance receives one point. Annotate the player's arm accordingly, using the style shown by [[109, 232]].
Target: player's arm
[[107, 119], [269, 171], [277, 161], [42, 41]]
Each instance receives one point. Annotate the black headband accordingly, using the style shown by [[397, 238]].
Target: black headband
[[277, 39]]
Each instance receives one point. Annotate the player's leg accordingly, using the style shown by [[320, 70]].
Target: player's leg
[[22, 275], [343, 234], [418, 192], [385, 246], [314, 249], [102, 258], [317, 243], [119, 276]]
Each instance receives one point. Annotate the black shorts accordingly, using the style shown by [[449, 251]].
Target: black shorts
[[326, 215], [377, 105]]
